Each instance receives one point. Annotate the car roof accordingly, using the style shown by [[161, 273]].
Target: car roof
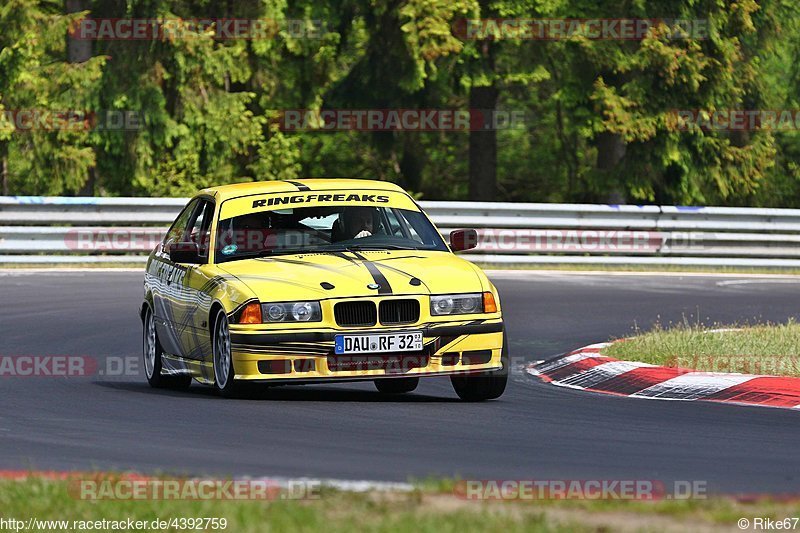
[[225, 192]]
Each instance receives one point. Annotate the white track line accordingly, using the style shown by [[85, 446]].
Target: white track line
[[731, 282], [348, 485], [560, 362], [600, 373], [693, 386]]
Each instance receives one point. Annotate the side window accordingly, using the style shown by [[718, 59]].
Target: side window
[[179, 227], [200, 229]]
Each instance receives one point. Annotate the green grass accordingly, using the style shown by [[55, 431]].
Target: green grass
[[432, 507], [333, 512], [751, 349]]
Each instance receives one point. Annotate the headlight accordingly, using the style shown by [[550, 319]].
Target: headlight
[[456, 304], [292, 312]]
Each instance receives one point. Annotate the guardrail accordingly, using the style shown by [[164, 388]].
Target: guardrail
[[112, 230]]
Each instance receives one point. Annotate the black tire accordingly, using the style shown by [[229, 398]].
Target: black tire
[[396, 385], [152, 352], [225, 382], [484, 385]]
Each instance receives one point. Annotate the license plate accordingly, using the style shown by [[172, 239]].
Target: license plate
[[407, 341]]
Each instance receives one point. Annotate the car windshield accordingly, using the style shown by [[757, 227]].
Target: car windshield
[[324, 229]]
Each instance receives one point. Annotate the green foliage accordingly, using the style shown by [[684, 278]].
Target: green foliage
[[45, 160], [599, 114]]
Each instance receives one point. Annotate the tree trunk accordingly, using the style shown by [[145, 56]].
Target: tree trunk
[[4, 165], [611, 149], [78, 50], [411, 163], [483, 148], [483, 142]]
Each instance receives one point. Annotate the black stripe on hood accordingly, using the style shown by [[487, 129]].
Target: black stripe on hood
[[377, 275]]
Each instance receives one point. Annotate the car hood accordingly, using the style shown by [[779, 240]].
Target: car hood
[[305, 276]]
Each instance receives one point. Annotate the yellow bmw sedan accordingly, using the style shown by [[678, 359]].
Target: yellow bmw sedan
[[318, 280]]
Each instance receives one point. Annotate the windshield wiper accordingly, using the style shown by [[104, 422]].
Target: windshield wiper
[[287, 251], [327, 250], [270, 252], [362, 247]]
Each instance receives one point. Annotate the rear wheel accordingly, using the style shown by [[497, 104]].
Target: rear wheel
[[152, 358], [224, 375], [396, 385], [484, 385]]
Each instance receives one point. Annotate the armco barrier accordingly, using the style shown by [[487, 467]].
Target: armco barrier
[[113, 230]]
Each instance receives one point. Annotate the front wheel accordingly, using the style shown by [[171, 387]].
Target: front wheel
[[224, 375], [484, 385], [152, 358], [396, 385]]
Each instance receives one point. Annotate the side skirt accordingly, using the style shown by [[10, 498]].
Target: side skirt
[[202, 371]]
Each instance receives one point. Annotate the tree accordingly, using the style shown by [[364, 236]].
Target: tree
[[37, 82]]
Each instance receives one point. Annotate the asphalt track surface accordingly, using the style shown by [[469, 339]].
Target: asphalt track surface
[[350, 431]]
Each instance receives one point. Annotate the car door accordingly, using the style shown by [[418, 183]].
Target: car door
[[192, 302], [168, 279]]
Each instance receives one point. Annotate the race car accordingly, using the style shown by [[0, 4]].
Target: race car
[[318, 280]]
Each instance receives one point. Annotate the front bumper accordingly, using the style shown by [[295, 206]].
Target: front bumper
[[308, 354]]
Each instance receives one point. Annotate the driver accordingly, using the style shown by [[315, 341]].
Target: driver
[[251, 232], [358, 221]]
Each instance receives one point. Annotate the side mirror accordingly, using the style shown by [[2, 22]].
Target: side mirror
[[463, 239], [185, 252]]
